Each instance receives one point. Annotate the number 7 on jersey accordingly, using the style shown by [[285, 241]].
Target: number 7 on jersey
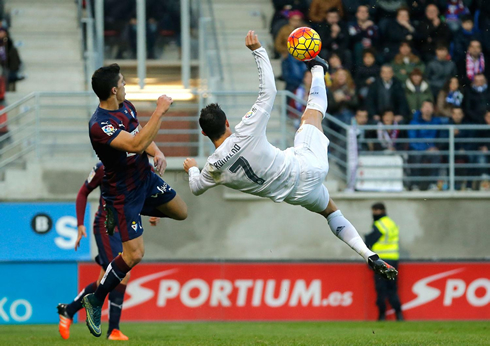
[[241, 162]]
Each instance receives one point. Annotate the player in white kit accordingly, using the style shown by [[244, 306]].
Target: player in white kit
[[247, 162]]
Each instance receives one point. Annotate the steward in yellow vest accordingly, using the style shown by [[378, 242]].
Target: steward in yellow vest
[[383, 240]]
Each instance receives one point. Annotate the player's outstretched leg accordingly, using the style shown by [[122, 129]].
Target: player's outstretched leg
[[317, 100], [67, 311], [345, 231]]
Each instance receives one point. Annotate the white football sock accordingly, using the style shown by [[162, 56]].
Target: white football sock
[[345, 231], [318, 92]]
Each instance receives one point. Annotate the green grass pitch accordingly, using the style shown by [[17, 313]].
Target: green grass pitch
[[263, 333]]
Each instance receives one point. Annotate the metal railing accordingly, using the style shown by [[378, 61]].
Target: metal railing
[[88, 39], [55, 124]]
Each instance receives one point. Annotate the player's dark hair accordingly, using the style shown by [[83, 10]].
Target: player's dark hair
[[334, 10], [378, 206], [361, 109], [213, 121], [104, 79]]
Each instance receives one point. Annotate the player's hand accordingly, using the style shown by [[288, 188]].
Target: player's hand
[[163, 104], [188, 163], [153, 220], [252, 41], [160, 162], [81, 232]]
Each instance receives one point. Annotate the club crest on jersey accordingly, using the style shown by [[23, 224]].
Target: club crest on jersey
[[109, 130], [134, 226]]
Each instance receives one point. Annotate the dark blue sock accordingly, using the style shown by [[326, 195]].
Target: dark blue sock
[[76, 304], [115, 272], [116, 299]]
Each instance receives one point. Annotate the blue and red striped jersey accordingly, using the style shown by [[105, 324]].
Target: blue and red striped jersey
[[124, 171]]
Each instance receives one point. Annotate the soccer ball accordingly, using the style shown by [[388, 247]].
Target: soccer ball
[[304, 44]]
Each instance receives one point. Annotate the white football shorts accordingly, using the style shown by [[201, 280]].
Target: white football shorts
[[311, 150]]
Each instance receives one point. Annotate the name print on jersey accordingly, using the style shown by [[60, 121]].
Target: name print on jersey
[[220, 163]]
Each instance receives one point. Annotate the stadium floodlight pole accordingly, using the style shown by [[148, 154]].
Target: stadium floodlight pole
[[99, 30], [185, 24], [141, 41]]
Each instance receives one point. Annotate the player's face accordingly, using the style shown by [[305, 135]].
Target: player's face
[[403, 16], [362, 117], [431, 12], [121, 90]]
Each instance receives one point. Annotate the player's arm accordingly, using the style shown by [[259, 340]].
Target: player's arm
[[199, 182], [92, 182], [125, 141], [255, 121], [267, 86], [159, 159]]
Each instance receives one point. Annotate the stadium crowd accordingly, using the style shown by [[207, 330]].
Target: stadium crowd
[[418, 62]]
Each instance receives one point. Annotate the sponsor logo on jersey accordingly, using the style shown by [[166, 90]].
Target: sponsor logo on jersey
[[220, 163], [109, 130]]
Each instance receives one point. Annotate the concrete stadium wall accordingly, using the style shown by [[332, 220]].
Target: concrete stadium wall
[[260, 229], [224, 225]]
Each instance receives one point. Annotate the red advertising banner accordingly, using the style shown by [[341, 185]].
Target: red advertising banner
[[297, 291]]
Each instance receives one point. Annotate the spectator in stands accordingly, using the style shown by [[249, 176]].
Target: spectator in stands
[[319, 8], [335, 37], [417, 91], [281, 14], [335, 64], [155, 11], [399, 30], [387, 9], [281, 42], [417, 9], [426, 151], [473, 64], [405, 62], [476, 99], [366, 73], [462, 38], [430, 32], [449, 97], [342, 99], [440, 70], [363, 33], [9, 60], [387, 138], [453, 11], [293, 72], [351, 7], [362, 118], [387, 93]]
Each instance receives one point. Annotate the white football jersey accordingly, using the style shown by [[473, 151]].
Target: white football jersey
[[246, 161]]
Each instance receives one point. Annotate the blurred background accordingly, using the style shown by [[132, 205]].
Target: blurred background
[[409, 125]]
